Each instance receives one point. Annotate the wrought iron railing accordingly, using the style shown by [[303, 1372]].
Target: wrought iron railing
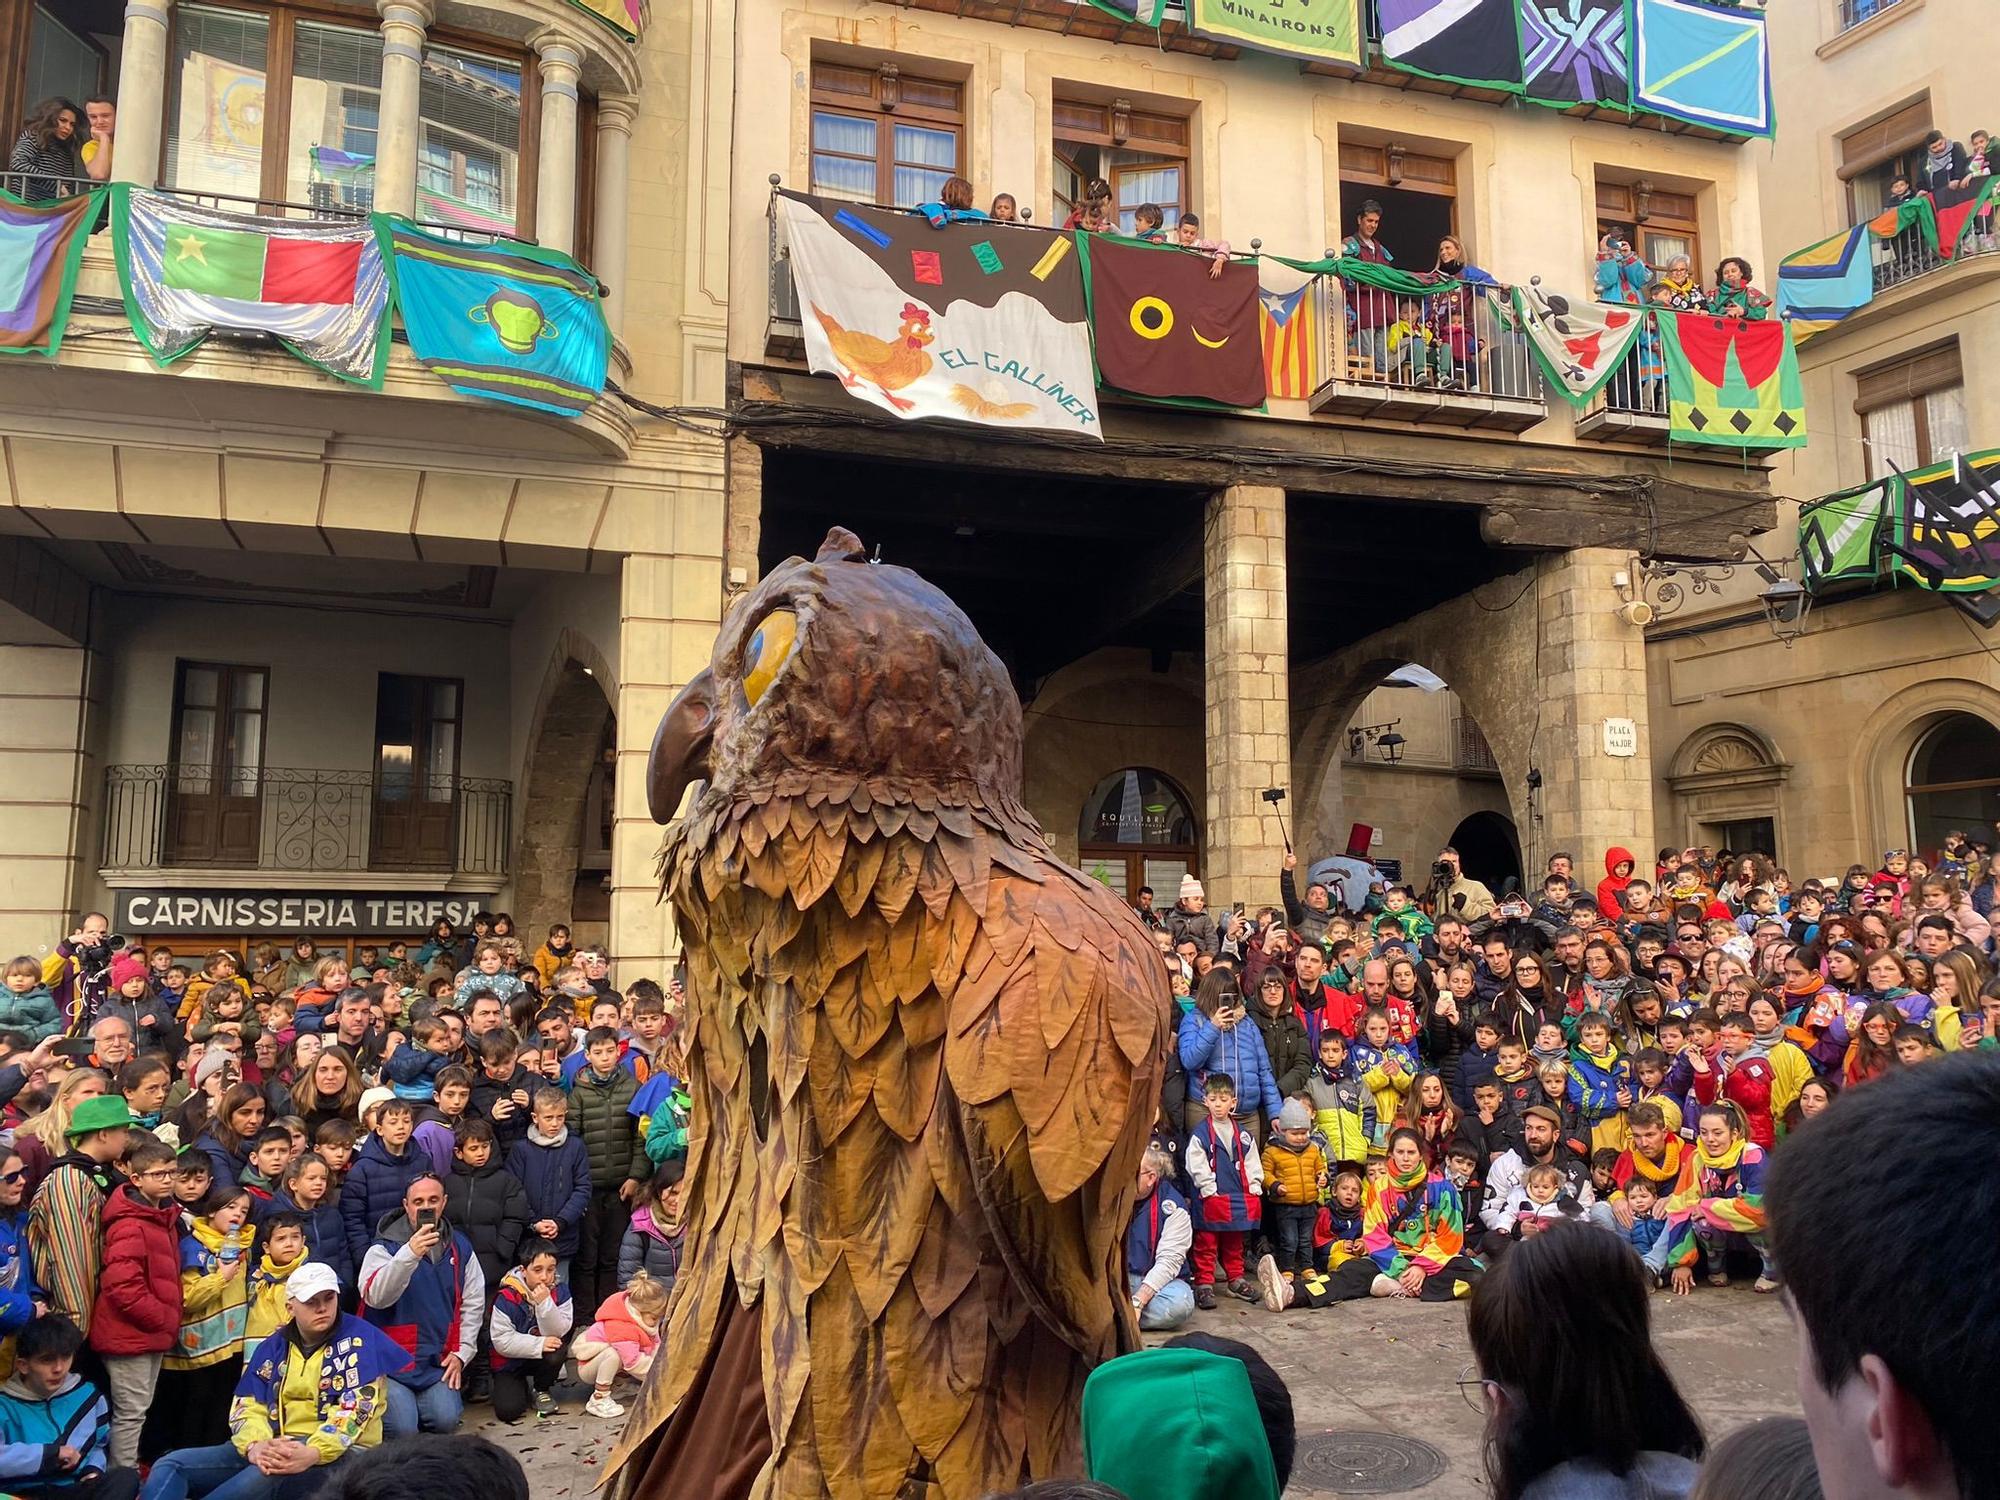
[[1466, 345], [39, 187], [283, 819], [1474, 754], [1854, 12], [1909, 255]]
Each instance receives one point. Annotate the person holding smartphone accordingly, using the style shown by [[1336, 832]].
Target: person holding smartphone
[[421, 1284]]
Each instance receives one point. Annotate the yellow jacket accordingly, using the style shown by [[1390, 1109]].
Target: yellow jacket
[[267, 1296], [1292, 1176], [1791, 1071], [288, 1392]]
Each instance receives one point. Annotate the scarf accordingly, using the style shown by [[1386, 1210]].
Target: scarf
[[1605, 1060], [1761, 1042], [1685, 287], [1413, 1181], [1728, 1160], [548, 1140], [1669, 1169]]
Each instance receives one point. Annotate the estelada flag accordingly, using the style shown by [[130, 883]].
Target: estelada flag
[[1164, 327], [317, 285], [1285, 320]]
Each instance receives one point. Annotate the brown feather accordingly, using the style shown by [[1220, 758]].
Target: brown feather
[[856, 881], [935, 1364], [947, 1258], [863, 1448], [990, 1449]]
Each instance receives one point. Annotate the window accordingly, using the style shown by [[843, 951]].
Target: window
[[301, 136], [1912, 409], [1872, 155], [1418, 192], [215, 783], [881, 136], [1136, 829], [1951, 785], [469, 157], [1143, 154], [1660, 223], [417, 722]]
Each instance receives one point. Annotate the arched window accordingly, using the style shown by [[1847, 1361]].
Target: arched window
[[1953, 782], [1138, 829]]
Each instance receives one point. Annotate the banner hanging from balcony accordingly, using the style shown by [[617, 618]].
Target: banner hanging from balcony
[[1958, 221], [1705, 64], [1165, 325], [1474, 42], [318, 286], [1824, 283], [1317, 30], [973, 320], [1840, 536], [623, 16], [1573, 52], [512, 323], [1731, 382], [1938, 527], [41, 246], [1289, 324], [1579, 345]]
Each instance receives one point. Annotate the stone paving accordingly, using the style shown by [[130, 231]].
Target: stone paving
[[1368, 1368]]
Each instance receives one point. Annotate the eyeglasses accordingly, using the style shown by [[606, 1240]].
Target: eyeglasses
[[1472, 1388]]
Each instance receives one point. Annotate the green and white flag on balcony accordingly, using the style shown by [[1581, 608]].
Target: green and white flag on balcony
[[1578, 344], [316, 285]]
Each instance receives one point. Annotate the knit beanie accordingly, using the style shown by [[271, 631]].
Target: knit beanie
[[126, 966], [1190, 888], [213, 1061], [1294, 1116]]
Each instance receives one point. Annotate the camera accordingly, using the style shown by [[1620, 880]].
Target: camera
[[1442, 872]]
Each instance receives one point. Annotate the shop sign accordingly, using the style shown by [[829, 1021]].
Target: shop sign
[[281, 913]]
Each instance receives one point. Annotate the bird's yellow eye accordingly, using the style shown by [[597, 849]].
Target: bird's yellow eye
[[768, 649]]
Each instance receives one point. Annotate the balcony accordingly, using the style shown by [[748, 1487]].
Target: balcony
[[323, 822], [1854, 12], [1471, 753], [1909, 256], [1472, 371]]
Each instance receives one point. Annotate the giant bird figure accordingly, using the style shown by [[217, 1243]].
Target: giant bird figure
[[925, 1060]]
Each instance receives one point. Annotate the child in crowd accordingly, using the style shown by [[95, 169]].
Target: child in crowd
[[26, 1006], [1545, 1202], [1643, 1197], [1295, 1178], [623, 1338], [1491, 1128], [1343, 1108], [1551, 1047], [270, 1154], [552, 1166], [309, 1192], [1600, 1083], [333, 1142], [654, 1239], [55, 1426], [198, 1375], [137, 1315], [530, 1323], [1555, 1093], [1518, 1083], [280, 1250], [1149, 224], [1387, 1068], [1228, 1177], [1465, 1170], [412, 1069]]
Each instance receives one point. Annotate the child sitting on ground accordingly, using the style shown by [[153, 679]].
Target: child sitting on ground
[[1642, 1196], [626, 1333]]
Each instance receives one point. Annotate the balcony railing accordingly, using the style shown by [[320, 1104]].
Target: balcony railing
[[1909, 255], [37, 187], [1473, 753], [1455, 360], [164, 817], [1854, 12]]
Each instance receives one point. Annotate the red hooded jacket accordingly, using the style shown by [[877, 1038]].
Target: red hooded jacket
[[1612, 887], [138, 1307]]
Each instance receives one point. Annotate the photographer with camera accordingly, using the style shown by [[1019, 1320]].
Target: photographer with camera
[[78, 973], [1620, 275], [1454, 893]]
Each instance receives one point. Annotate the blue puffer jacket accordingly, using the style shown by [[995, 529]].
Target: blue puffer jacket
[[326, 1234], [374, 1189], [17, 1267], [557, 1179], [1206, 1048], [225, 1164]]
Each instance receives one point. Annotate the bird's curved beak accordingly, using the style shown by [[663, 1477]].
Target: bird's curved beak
[[679, 756]]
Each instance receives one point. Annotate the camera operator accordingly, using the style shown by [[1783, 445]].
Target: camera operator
[[1454, 893], [78, 973]]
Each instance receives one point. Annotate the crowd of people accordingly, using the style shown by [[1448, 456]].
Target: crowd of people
[[1386, 1101], [263, 1210]]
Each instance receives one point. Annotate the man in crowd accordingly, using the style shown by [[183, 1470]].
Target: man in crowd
[[101, 114], [421, 1282], [1506, 1184], [1152, 920], [63, 1234], [312, 1395], [112, 1040], [1308, 917], [1457, 892]]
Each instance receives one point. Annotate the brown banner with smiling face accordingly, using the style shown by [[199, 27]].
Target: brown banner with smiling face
[[1166, 327]]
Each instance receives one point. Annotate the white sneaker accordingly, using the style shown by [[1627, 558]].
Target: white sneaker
[[601, 1405], [1272, 1283]]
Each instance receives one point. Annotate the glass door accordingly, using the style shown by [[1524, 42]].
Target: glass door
[[417, 723], [215, 784]]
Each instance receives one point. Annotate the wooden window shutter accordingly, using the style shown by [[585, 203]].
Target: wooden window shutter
[[1908, 376]]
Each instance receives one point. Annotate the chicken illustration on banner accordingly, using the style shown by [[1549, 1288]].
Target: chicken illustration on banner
[[978, 321], [1165, 326]]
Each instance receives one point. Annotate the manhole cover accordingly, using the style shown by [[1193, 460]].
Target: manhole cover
[[1365, 1463]]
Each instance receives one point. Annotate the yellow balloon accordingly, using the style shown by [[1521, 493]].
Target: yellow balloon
[[1144, 329]]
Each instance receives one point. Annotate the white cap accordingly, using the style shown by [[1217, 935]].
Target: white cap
[[309, 1280]]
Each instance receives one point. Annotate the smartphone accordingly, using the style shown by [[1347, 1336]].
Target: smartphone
[[76, 1048], [426, 1218]]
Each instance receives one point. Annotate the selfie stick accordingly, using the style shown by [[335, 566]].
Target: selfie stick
[[1275, 795]]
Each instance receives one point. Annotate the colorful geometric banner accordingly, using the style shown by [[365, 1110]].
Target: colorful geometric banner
[[1824, 283], [1840, 537], [1163, 326], [1462, 41], [1731, 383], [1316, 30], [318, 285], [1573, 52], [1291, 341], [623, 16], [1706, 64], [41, 246], [1945, 535], [511, 323], [1579, 345], [1956, 222], [977, 321]]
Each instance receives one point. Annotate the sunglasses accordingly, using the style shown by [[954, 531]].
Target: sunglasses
[[18, 1176]]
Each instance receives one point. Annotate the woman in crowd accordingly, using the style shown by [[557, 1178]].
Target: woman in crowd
[[49, 148]]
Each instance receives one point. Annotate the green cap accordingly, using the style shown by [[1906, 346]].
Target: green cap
[[105, 1112], [1213, 1444]]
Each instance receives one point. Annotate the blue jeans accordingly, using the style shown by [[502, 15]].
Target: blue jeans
[[436, 1408], [1171, 1306], [224, 1474]]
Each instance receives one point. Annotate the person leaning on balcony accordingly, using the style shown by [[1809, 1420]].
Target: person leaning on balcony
[[1677, 287], [1449, 313], [46, 151], [1370, 309], [100, 115], [1945, 172], [953, 204]]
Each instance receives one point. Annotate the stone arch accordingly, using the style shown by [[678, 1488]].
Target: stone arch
[[1101, 714], [1889, 736], [572, 709], [1489, 847]]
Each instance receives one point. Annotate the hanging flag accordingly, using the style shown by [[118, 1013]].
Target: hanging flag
[[1947, 536], [41, 246], [1473, 42], [1706, 64], [1955, 223], [508, 322], [317, 285], [1730, 382], [978, 321], [1579, 345], [1840, 536], [623, 16], [1164, 327], [1824, 283], [1145, 12], [1316, 30], [1573, 52], [1291, 341]]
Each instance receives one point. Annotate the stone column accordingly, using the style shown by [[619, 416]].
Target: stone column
[[555, 161], [1592, 672], [615, 114], [1244, 630], [51, 780], [397, 130], [142, 84]]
